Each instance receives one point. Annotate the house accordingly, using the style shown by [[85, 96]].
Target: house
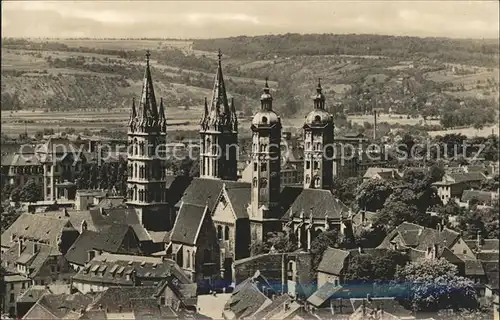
[[58, 233], [13, 286], [100, 219], [109, 270], [41, 263], [19, 168], [453, 184], [31, 296], [254, 298], [118, 238], [287, 273], [477, 197], [194, 245], [167, 299], [332, 266], [381, 174], [421, 242], [59, 306]]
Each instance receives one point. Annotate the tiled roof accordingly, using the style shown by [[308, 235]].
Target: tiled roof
[[25, 159], [274, 307], [32, 259], [203, 191], [326, 292], [458, 177], [247, 300], [333, 261], [61, 305], [187, 223], [113, 269], [322, 202], [488, 256], [373, 171], [115, 297], [108, 241], [36, 227], [486, 244], [481, 196], [33, 294], [240, 200], [491, 268], [103, 218], [419, 237]]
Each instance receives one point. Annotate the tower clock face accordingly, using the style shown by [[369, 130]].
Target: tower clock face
[[274, 174]]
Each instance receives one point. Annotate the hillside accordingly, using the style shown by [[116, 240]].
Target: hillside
[[394, 74]]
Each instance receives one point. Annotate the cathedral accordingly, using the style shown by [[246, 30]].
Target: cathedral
[[232, 215]]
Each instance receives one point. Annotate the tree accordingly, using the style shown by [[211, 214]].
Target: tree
[[372, 194], [379, 266], [345, 189], [396, 212], [435, 284], [31, 192], [318, 246], [281, 242]]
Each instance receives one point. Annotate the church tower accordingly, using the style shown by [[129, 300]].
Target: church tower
[[147, 133], [266, 167], [318, 145], [219, 134]]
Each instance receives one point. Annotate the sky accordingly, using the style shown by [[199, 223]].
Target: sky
[[215, 19]]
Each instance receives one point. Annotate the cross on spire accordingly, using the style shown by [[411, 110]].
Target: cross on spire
[[148, 54]]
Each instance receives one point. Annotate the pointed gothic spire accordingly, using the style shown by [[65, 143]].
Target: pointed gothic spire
[[219, 104], [162, 119], [319, 98], [148, 107], [266, 100]]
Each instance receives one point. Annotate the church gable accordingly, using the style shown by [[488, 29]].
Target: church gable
[[223, 211]]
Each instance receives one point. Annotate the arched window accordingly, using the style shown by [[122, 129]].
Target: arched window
[[308, 179], [193, 259], [219, 232], [188, 257], [226, 233], [317, 118], [254, 182], [264, 120]]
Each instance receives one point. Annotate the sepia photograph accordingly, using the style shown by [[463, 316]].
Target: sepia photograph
[[246, 160]]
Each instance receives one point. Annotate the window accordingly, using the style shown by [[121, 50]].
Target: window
[[12, 297], [23, 285], [263, 167], [308, 165], [219, 232], [255, 167], [11, 286], [53, 269], [188, 258], [226, 233]]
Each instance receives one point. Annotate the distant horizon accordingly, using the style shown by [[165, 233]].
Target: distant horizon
[[248, 36], [221, 19]]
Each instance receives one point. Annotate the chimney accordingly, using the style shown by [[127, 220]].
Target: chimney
[[35, 247], [20, 247]]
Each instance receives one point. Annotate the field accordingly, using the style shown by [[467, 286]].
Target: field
[[96, 92]]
